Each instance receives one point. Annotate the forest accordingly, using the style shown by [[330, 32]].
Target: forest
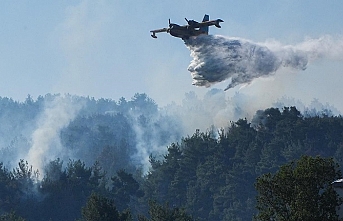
[[136, 158]]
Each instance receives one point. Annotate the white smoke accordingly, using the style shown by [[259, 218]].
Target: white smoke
[[218, 58], [46, 143], [150, 140]]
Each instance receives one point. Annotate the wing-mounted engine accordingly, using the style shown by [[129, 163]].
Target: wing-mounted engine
[[192, 23]]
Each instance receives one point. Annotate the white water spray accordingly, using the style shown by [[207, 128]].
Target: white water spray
[[217, 58]]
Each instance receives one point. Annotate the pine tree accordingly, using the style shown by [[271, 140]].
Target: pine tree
[[300, 190]]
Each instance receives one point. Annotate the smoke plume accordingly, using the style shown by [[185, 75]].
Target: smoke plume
[[217, 58], [46, 143]]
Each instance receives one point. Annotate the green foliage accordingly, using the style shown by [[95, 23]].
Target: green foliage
[[300, 190], [124, 188], [165, 213], [12, 216], [24, 172], [69, 188], [8, 191], [213, 178], [99, 208], [209, 174]]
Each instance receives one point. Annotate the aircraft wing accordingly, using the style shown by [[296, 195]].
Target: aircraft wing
[[158, 31]]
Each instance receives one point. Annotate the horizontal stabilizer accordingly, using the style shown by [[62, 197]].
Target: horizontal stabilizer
[[217, 23]]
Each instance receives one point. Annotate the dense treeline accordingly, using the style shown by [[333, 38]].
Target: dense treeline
[[212, 175], [209, 175]]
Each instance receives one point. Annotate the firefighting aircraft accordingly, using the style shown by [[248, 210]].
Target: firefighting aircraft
[[193, 28]]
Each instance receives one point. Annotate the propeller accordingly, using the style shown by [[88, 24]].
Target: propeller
[[171, 26]]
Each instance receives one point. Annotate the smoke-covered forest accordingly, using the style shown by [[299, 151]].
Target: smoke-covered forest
[[58, 153]]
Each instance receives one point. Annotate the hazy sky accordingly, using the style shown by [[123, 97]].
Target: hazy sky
[[104, 49]]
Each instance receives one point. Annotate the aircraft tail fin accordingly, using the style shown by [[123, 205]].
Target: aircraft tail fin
[[204, 29], [206, 18]]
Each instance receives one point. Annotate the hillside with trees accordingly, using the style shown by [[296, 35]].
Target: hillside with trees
[[300, 190], [208, 175]]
